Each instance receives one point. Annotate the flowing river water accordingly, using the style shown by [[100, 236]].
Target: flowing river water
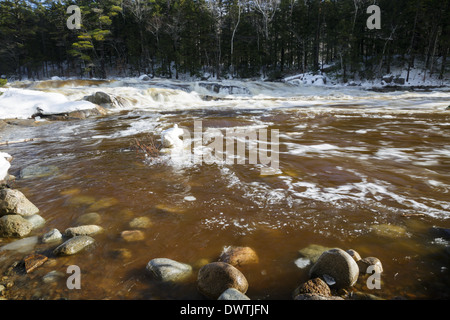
[[358, 169]]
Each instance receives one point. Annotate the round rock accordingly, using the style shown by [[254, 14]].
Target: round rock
[[73, 245], [216, 277], [239, 256], [337, 264], [14, 226], [168, 270], [365, 263]]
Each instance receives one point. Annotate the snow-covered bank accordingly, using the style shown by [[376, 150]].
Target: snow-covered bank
[[5, 158], [23, 103]]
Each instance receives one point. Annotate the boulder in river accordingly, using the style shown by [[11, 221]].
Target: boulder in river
[[73, 245], [14, 226], [14, 202], [216, 277], [337, 264], [106, 100], [168, 270]]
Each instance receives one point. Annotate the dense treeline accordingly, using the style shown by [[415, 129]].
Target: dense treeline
[[239, 38]]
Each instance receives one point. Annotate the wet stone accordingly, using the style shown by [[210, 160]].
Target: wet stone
[[140, 222], [87, 230], [103, 203], [315, 286], [23, 245], [52, 236], [14, 226], [363, 264], [389, 231], [53, 276], [14, 202], [216, 277], [239, 256], [132, 235], [38, 171], [74, 245], [337, 265], [355, 255], [36, 220], [313, 252], [168, 270], [89, 218]]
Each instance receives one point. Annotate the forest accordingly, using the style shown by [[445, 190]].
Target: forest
[[221, 38]]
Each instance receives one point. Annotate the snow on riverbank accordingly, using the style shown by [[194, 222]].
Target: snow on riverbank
[[23, 103], [4, 165]]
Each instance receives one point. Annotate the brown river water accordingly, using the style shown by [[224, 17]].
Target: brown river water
[[358, 169]]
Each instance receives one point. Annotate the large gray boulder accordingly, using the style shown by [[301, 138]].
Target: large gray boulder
[[337, 264], [14, 202]]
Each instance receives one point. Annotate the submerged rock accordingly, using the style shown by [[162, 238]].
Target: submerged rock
[[337, 264], [36, 220], [14, 202], [38, 171], [53, 276], [87, 230], [140, 222], [14, 226], [313, 252], [103, 203], [239, 256], [74, 245], [132, 235], [89, 218], [389, 231], [216, 277], [22, 245], [168, 270]]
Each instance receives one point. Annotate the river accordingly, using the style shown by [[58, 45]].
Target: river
[[358, 169]]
